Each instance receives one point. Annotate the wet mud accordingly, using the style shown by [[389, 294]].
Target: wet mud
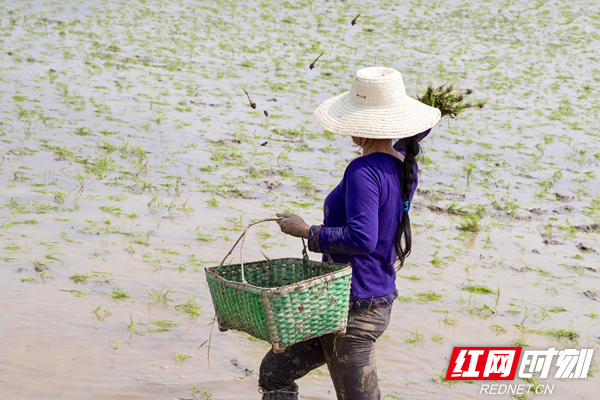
[[131, 158]]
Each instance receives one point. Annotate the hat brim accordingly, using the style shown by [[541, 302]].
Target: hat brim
[[409, 118]]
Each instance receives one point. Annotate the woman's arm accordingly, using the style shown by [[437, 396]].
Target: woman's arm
[[360, 234]]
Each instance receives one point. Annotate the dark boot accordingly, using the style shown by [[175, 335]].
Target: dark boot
[[287, 393]]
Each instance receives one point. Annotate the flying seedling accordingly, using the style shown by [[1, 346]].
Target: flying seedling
[[252, 104], [312, 65]]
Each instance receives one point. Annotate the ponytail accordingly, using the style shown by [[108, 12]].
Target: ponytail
[[407, 178]]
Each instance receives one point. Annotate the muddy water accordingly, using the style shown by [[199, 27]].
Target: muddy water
[[129, 153]]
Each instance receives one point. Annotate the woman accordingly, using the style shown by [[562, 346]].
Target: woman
[[366, 225]]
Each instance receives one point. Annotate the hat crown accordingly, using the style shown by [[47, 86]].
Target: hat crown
[[376, 107], [377, 87]]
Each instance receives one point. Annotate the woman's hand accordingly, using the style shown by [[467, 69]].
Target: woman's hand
[[293, 225]]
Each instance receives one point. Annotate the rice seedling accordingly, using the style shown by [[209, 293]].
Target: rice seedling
[[441, 378], [522, 396], [437, 339], [102, 312], [541, 315], [552, 291], [76, 292], [412, 277], [542, 272], [45, 275], [498, 329], [212, 202], [162, 325], [39, 266], [204, 394], [527, 312], [66, 238], [438, 262], [80, 278], [119, 294], [557, 309], [131, 216], [415, 338], [112, 210], [83, 131], [594, 366], [393, 395], [479, 289], [59, 197], [116, 344], [190, 306], [161, 295], [562, 334], [520, 342], [449, 100], [119, 197], [132, 326], [180, 357], [252, 103], [314, 63], [168, 251], [470, 223], [483, 311], [426, 297]]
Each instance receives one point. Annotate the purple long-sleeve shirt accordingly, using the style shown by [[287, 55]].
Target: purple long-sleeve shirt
[[362, 215]]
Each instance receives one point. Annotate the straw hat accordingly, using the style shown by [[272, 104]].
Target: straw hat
[[376, 107]]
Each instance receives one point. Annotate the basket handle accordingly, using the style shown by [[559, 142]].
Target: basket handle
[[305, 254], [243, 239]]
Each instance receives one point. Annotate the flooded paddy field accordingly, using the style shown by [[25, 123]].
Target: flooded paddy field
[[130, 159]]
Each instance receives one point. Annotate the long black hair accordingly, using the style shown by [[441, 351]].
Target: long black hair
[[406, 174]]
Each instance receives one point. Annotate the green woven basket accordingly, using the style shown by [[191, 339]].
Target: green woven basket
[[282, 301]]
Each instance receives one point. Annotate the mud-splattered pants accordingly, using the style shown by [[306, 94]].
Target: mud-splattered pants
[[349, 357]]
